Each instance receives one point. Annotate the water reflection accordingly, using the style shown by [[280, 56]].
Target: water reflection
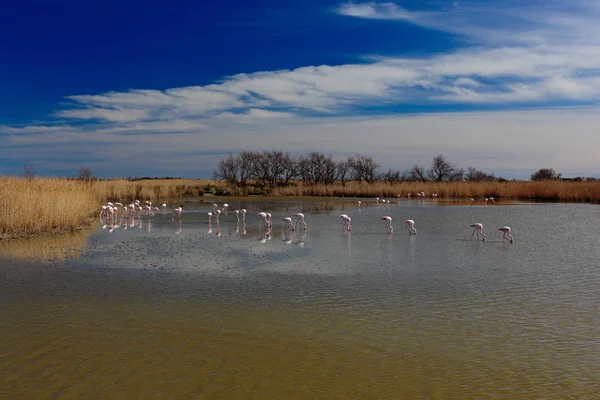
[[58, 247]]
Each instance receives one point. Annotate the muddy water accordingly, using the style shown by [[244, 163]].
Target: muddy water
[[169, 309]]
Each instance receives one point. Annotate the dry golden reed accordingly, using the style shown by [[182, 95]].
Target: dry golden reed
[[54, 204], [542, 190]]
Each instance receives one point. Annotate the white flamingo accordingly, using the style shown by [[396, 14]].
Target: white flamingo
[[288, 223], [300, 218], [479, 229], [507, 235], [177, 212], [346, 220], [388, 223], [410, 226]]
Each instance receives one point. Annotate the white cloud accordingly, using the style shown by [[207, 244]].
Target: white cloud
[[525, 55]]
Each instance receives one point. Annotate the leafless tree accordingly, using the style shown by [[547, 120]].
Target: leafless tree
[[545, 174], [248, 166], [473, 175], [291, 168], [84, 174], [418, 174], [28, 172], [363, 168], [227, 169], [443, 170], [342, 171]]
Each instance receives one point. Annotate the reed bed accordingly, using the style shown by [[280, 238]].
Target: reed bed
[[43, 205], [542, 190], [150, 189]]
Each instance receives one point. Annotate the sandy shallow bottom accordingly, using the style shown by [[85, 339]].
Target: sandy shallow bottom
[[176, 311]]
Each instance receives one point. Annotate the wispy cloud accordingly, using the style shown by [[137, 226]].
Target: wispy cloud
[[514, 56], [506, 22]]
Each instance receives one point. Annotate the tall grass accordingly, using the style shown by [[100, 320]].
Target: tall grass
[[52, 204], [43, 205], [542, 190]]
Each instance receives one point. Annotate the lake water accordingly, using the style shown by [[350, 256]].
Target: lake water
[[169, 309]]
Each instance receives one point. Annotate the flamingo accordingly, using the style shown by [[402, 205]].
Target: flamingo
[[507, 235], [164, 207], [243, 211], [288, 223], [492, 200], [209, 217], [479, 229], [347, 221], [269, 220], [388, 223], [471, 200], [410, 226], [358, 204], [217, 213], [237, 215], [263, 216], [377, 200], [224, 210], [177, 211], [300, 218]]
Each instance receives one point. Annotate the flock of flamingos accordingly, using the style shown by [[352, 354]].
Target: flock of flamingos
[[135, 209]]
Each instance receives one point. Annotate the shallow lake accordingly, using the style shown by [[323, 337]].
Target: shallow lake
[[155, 308]]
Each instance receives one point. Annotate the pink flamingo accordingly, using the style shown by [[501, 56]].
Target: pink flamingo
[[346, 219], [209, 217], [243, 211], [217, 213], [388, 223], [479, 229], [177, 212], [507, 235], [410, 226], [288, 223], [471, 200], [265, 218], [237, 215], [269, 220], [300, 218]]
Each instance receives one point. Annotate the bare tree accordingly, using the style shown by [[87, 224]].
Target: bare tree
[[270, 167], [363, 168], [28, 172], [443, 170], [318, 168], [392, 176], [291, 168], [473, 175], [545, 174], [227, 169], [418, 174], [84, 174], [247, 166], [342, 171]]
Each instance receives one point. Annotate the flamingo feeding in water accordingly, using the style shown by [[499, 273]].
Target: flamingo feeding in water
[[410, 226], [243, 211], [177, 212], [209, 217], [507, 235], [288, 223], [300, 218], [479, 229], [265, 218], [346, 220], [388, 223]]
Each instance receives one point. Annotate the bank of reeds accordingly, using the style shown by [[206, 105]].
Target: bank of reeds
[[42, 205], [542, 190]]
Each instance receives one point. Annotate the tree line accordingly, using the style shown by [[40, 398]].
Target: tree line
[[272, 168]]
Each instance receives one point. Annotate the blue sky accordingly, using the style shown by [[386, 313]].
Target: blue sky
[[167, 88]]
